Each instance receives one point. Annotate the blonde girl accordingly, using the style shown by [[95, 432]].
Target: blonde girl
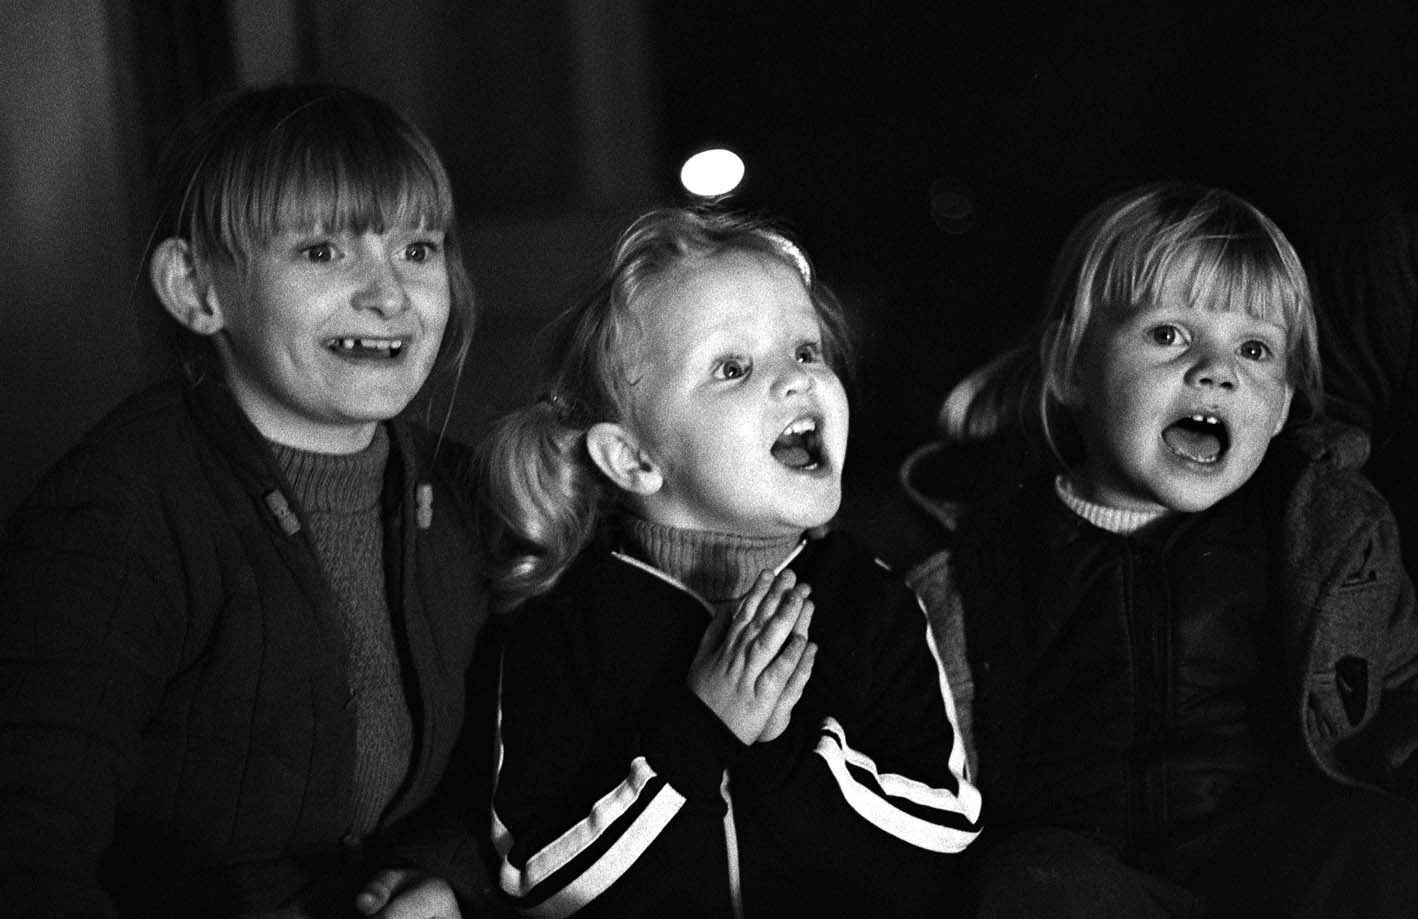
[[709, 706], [239, 615], [1180, 634]]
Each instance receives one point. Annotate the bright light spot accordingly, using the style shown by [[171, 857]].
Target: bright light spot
[[711, 173]]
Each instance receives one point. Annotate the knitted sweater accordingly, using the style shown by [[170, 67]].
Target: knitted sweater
[[340, 496], [174, 722]]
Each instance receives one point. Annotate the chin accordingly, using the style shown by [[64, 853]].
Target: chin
[[1195, 500], [821, 517]]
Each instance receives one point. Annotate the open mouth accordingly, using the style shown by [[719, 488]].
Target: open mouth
[[367, 348], [800, 445], [1200, 438]]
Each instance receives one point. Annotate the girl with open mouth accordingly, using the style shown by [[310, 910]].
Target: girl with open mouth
[[1191, 652], [709, 706]]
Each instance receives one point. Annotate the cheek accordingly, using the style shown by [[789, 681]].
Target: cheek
[[840, 410], [435, 302]]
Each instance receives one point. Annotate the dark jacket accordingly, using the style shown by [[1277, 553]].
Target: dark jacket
[[1364, 273], [1345, 625], [620, 792], [174, 735]]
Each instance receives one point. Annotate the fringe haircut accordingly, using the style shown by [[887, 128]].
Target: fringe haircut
[[1225, 254], [254, 163]]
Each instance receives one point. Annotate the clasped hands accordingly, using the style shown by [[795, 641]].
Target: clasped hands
[[753, 662]]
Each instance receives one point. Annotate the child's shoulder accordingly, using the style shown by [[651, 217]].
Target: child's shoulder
[[137, 439], [827, 548], [602, 577], [1319, 464], [838, 564], [1323, 441], [1317, 495]]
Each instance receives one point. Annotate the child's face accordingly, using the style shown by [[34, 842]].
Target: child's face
[[736, 405], [1177, 404], [327, 334]]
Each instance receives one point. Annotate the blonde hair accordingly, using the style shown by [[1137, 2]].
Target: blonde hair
[[257, 162], [541, 497], [1225, 254]]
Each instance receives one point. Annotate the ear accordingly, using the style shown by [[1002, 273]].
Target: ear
[[617, 453], [185, 291], [1284, 411]]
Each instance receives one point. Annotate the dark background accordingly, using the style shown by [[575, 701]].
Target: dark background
[[560, 119]]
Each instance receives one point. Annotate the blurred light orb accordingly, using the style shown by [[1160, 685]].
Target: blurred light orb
[[710, 173]]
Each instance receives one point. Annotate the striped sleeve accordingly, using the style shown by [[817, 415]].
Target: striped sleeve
[[940, 816], [939, 819], [882, 802], [580, 800], [577, 866]]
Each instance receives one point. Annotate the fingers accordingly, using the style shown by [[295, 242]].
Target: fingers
[[744, 664], [415, 897], [748, 607], [797, 681], [776, 674], [377, 891], [777, 619], [804, 619], [792, 692], [714, 636]]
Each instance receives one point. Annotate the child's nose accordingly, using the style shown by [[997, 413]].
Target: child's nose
[[1214, 371], [792, 380], [381, 289]]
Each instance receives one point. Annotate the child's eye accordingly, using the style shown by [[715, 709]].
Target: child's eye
[[1255, 350], [808, 354], [319, 253], [731, 368], [421, 251], [1165, 335]]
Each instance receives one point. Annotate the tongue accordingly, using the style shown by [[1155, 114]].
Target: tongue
[[791, 453], [1201, 446]]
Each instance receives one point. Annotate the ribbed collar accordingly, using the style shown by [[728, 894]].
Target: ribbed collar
[[1112, 519], [720, 567], [336, 482]]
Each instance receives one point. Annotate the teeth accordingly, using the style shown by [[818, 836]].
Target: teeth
[[801, 426], [1206, 419], [392, 345]]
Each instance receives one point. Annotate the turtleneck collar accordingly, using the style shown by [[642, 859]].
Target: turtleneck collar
[[338, 482], [1117, 520], [719, 567]]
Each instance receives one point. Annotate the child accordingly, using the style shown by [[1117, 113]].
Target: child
[[1192, 650], [238, 617], [684, 732]]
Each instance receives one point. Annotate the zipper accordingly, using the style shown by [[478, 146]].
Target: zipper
[[1148, 619], [731, 846]]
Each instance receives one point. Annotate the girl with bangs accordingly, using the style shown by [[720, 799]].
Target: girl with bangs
[[710, 705], [240, 614], [1186, 653]]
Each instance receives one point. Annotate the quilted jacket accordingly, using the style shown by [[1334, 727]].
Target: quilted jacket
[[174, 734]]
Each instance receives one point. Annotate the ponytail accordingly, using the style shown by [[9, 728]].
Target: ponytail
[[540, 499]]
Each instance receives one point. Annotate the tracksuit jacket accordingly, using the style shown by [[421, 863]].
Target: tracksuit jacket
[[174, 734], [1344, 633], [619, 792]]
